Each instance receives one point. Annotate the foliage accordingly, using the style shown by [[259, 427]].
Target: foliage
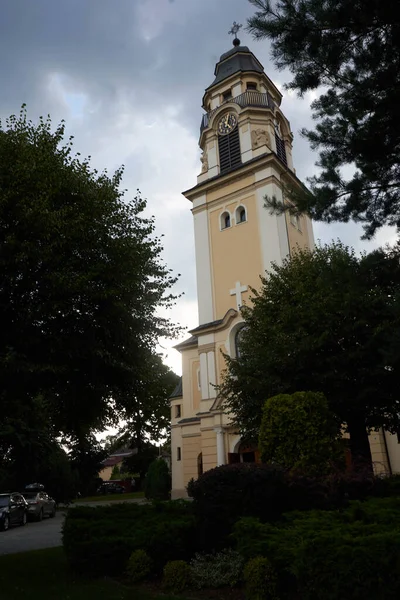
[[299, 432], [141, 461], [224, 494], [81, 285], [158, 481], [176, 576], [115, 473], [325, 321], [217, 570], [350, 554], [86, 456], [139, 566], [100, 540], [260, 579], [351, 51]]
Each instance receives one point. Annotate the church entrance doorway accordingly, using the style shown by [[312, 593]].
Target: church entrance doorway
[[245, 453]]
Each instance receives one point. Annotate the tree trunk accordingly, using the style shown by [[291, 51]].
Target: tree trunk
[[361, 457]]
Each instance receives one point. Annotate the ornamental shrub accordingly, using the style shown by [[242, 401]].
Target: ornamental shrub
[[224, 494], [351, 554], [139, 566], [299, 432], [217, 570], [260, 580], [176, 576], [100, 540], [158, 481]]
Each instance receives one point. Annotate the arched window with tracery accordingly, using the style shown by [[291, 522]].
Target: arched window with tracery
[[238, 339], [241, 214]]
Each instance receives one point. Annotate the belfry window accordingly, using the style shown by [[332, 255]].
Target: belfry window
[[225, 220], [227, 95], [241, 216], [229, 151], [238, 338], [280, 143], [251, 85]]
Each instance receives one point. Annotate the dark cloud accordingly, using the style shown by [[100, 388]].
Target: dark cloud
[[129, 76]]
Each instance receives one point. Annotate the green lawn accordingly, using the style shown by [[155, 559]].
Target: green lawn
[[44, 575], [108, 497]]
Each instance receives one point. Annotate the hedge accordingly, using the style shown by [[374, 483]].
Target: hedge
[[351, 554], [100, 540], [224, 494]]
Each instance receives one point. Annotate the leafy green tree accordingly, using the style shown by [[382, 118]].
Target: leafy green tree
[[351, 50], [299, 432], [115, 473], [81, 285], [141, 461], [86, 456], [326, 321], [158, 480]]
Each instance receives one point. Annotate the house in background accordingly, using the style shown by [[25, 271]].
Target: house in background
[[115, 459]]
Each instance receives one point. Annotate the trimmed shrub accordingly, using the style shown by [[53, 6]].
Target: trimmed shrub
[[224, 494], [139, 566], [100, 540], [158, 481], [327, 555], [260, 579], [217, 570], [176, 576], [299, 432]]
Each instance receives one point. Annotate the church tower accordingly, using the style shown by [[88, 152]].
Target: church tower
[[246, 145]]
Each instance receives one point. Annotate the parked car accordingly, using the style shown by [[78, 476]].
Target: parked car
[[108, 487], [40, 504], [13, 510]]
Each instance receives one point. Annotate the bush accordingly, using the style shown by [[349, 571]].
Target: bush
[[260, 579], [99, 541], [224, 494], [327, 555], [139, 566], [177, 576], [158, 481], [300, 433], [217, 570]]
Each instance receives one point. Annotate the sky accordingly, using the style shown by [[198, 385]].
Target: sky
[[128, 77]]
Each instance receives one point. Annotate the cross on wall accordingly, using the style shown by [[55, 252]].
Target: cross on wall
[[237, 291]]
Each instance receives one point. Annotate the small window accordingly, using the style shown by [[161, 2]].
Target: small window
[[177, 411], [225, 220], [227, 95], [178, 453], [251, 85], [241, 216]]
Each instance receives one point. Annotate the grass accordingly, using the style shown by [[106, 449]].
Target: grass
[[44, 574], [108, 497]]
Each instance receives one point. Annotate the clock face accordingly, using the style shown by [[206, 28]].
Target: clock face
[[227, 123]]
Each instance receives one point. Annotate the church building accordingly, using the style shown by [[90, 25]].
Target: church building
[[246, 144]]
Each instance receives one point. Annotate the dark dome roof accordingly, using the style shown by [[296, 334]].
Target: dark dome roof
[[239, 58]]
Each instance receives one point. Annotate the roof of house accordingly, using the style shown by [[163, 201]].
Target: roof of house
[[111, 461], [237, 59]]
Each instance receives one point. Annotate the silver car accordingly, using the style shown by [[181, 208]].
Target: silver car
[[40, 505]]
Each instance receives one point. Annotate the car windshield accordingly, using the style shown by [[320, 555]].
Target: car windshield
[[4, 500], [29, 496]]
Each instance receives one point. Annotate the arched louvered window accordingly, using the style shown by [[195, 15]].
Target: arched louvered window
[[229, 151]]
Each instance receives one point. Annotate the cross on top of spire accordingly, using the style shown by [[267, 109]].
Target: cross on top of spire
[[234, 31]]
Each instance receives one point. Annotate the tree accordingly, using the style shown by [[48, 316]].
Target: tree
[[158, 480], [299, 432], [116, 473], [81, 284], [352, 51], [325, 321]]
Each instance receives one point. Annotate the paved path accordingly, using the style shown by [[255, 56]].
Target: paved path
[[33, 536], [46, 534]]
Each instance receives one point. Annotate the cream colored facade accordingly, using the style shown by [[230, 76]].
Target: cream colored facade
[[230, 259]]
